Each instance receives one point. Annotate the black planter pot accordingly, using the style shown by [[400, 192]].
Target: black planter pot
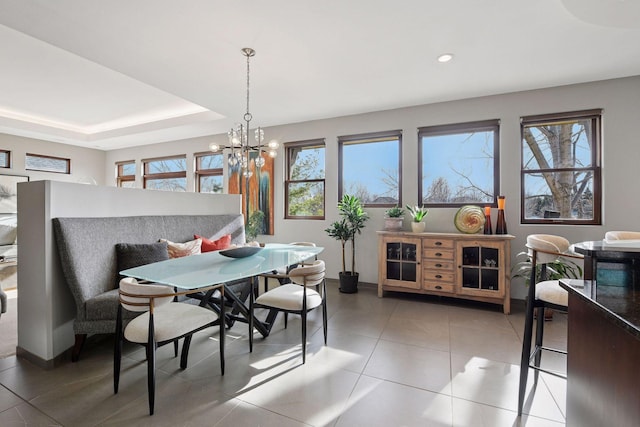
[[348, 282]]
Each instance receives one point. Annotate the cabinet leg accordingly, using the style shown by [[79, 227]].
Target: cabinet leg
[[506, 307]]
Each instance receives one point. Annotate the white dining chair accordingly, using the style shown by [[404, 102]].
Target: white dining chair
[[282, 274], [296, 297], [162, 321]]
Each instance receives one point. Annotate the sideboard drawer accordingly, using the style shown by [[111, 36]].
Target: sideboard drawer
[[445, 276], [437, 243], [444, 254], [438, 286], [438, 265]]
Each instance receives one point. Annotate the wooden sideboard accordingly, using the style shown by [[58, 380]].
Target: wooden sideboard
[[470, 266]]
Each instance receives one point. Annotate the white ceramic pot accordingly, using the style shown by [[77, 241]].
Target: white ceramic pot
[[418, 227]]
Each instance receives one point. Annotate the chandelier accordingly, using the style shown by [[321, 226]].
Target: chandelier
[[239, 143]]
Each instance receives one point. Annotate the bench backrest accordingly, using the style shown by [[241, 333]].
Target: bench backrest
[[87, 245]]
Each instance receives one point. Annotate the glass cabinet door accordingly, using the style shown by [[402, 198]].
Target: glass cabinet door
[[403, 262], [480, 267]]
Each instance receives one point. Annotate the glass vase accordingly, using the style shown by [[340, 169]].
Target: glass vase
[[488, 229], [501, 224]]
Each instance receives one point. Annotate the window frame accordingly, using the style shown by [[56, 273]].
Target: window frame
[[459, 128], [7, 165], [44, 156], [163, 175], [311, 143], [367, 138], [199, 173], [120, 177], [595, 115]]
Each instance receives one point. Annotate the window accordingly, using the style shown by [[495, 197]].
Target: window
[[304, 185], [37, 162], [168, 173], [561, 168], [459, 164], [209, 172], [126, 174], [5, 159], [370, 168]]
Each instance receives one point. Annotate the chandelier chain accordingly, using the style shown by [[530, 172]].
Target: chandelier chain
[[247, 115]]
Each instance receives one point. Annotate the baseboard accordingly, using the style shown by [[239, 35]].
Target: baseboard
[[38, 361]]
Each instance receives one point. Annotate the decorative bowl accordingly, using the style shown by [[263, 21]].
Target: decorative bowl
[[469, 219], [241, 252]]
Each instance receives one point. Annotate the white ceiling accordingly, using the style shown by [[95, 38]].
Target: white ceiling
[[119, 73]]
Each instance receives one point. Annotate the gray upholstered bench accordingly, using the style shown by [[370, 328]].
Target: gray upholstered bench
[[87, 249]]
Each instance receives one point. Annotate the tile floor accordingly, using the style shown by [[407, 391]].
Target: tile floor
[[397, 361]]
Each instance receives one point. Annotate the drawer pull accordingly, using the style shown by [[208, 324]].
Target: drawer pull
[[438, 254], [438, 243], [438, 265], [438, 276], [438, 287]]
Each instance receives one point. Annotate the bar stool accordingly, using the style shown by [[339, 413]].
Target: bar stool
[[621, 235], [544, 249]]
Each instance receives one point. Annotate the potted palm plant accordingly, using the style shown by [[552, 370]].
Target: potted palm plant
[[393, 218], [353, 219], [418, 213]]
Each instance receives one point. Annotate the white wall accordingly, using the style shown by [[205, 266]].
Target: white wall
[[45, 306], [619, 98], [86, 164]]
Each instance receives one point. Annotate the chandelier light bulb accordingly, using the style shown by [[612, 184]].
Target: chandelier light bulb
[[273, 153], [214, 147], [273, 144]]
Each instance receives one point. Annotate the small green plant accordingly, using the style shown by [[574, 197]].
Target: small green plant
[[394, 212], [418, 213], [255, 226], [559, 269]]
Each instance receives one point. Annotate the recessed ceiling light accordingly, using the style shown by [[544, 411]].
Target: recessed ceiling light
[[445, 57]]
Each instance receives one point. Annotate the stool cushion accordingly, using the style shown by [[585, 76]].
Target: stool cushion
[[551, 292], [289, 297]]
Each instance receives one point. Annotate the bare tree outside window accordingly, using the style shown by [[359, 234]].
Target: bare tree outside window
[[459, 164], [370, 168], [304, 186], [126, 174], [560, 168], [209, 172], [167, 174]]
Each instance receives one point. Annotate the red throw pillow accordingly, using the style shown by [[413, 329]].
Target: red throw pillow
[[214, 245]]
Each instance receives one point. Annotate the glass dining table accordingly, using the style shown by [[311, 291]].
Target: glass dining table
[[212, 268]]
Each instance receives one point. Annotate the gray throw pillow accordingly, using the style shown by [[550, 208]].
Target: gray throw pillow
[[132, 255]]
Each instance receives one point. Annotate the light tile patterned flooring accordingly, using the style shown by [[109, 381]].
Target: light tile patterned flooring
[[397, 361]]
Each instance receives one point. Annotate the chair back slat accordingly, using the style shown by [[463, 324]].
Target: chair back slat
[[309, 275], [547, 247], [140, 297]]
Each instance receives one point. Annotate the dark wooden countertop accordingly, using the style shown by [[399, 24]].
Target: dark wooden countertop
[[621, 304]]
